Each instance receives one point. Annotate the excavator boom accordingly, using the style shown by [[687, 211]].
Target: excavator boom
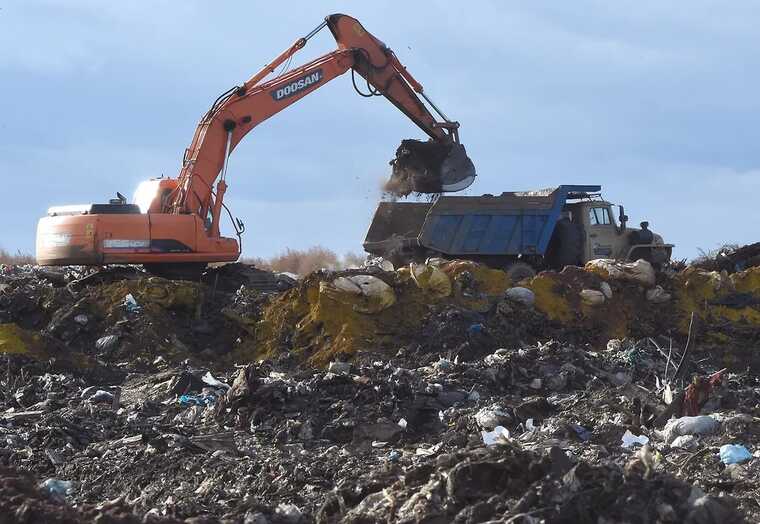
[[244, 107], [179, 221]]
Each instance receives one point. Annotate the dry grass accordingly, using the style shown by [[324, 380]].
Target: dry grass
[[709, 259], [296, 261], [302, 262], [19, 258]]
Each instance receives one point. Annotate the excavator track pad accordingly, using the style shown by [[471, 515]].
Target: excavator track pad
[[429, 167]]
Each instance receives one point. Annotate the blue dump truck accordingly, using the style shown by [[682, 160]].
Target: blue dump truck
[[520, 232]]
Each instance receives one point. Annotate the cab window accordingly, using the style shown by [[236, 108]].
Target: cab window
[[599, 216]]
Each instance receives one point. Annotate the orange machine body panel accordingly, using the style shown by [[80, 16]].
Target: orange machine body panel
[[92, 239]]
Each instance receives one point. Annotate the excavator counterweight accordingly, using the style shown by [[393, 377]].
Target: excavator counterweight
[[174, 225]]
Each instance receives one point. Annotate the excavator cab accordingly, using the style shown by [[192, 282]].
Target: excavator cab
[[152, 195]]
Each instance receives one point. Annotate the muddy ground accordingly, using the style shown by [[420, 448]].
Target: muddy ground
[[418, 398]]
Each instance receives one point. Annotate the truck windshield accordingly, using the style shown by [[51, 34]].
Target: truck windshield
[[599, 216]]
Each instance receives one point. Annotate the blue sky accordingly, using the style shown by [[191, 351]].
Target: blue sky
[[655, 101]]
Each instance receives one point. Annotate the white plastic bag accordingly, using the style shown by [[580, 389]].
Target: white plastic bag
[[700, 425], [630, 440], [499, 435], [592, 297], [521, 295]]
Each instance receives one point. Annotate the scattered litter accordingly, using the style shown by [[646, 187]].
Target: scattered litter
[[131, 304], [700, 425], [431, 280], [614, 344], [499, 435], [658, 295], [734, 454], [685, 442], [101, 396], [427, 451], [106, 343], [196, 400], [339, 367], [521, 295], [444, 365], [640, 271], [220, 392], [593, 297], [630, 440], [57, 487], [289, 513], [490, 417], [209, 379], [583, 433]]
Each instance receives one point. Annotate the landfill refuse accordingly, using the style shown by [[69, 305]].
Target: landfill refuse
[[491, 417], [431, 279], [685, 442], [640, 271], [131, 304], [522, 295], [500, 434], [658, 295], [57, 487], [731, 258], [593, 297], [339, 367], [734, 454], [219, 402], [699, 425], [196, 400], [629, 439], [101, 396]]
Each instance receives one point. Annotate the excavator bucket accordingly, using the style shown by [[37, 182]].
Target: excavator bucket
[[430, 167]]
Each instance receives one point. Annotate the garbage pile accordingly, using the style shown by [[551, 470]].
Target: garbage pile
[[731, 258], [438, 392], [552, 432]]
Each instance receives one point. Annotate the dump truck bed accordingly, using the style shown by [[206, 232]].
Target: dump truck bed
[[512, 223]]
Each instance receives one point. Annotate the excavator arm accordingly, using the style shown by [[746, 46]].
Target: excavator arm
[[237, 111]]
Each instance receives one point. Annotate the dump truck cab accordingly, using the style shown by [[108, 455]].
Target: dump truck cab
[[606, 236]]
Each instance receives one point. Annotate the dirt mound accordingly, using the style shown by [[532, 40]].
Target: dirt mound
[[458, 306]]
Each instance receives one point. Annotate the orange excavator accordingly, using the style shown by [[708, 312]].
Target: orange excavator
[[173, 226]]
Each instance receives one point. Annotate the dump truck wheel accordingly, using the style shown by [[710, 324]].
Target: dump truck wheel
[[566, 245], [518, 271]]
